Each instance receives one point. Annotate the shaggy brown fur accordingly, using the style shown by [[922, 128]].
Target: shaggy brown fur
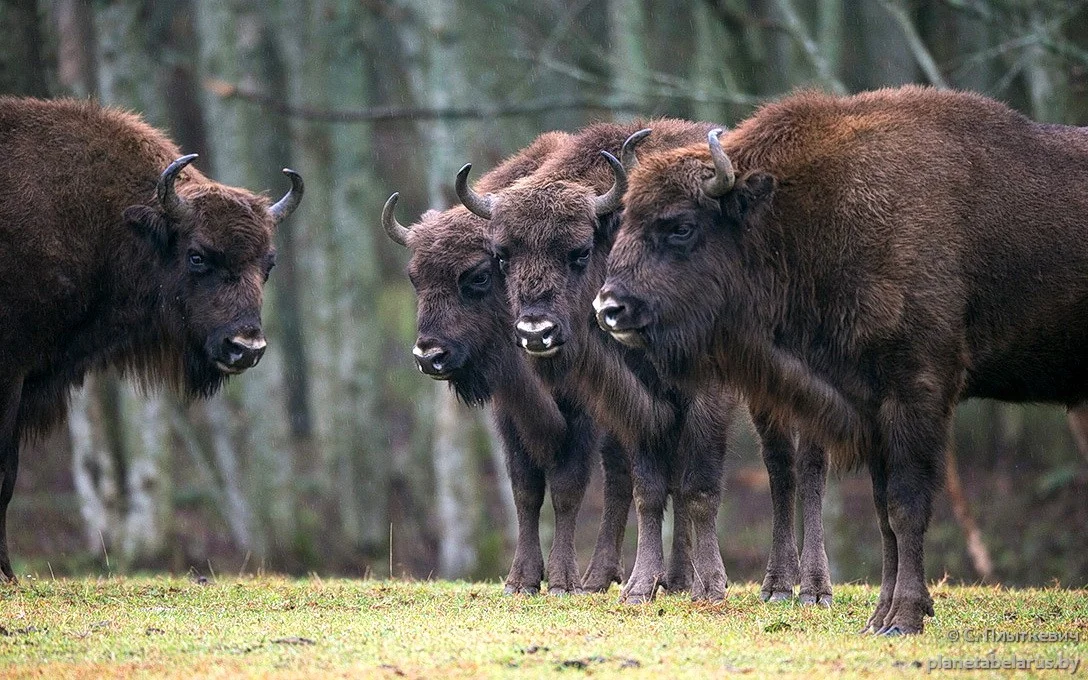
[[93, 273], [879, 258], [547, 438]]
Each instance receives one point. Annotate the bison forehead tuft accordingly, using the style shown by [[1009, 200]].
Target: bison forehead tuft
[[537, 214], [448, 241], [232, 221]]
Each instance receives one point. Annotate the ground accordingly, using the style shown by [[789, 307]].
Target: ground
[[264, 626]]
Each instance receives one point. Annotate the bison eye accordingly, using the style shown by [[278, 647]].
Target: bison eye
[[503, 264], [579, 257], [197, 263], [681, 233], [477, 284]]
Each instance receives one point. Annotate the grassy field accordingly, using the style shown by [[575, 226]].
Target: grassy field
[[175, 627]]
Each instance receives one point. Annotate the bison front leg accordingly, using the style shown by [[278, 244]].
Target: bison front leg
[[9, 467], [702, 498], [527, 480], [815, 574], [604, 567], [568, 480], [681, 572], [783, 567], [651, 490]]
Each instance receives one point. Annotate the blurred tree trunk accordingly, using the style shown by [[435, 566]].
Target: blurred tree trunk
[[93, 472], [254, 451], [22, 68], [432, 48], [630, 66]]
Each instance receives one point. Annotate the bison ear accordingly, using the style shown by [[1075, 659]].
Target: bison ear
[[152, 225], [750, 195]]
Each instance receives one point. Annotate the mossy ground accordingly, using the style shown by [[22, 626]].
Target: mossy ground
[[175, 627]]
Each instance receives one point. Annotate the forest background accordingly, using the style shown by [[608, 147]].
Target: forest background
[[335, 456]]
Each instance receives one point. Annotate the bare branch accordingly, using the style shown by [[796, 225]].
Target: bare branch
[[385, 114], [797, 29], [388, 114]]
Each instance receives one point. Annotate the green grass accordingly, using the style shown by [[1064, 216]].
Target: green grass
[[339, 628]]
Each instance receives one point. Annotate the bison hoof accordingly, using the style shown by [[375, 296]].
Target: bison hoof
[[637, 598], [810, 600], [710, 595], [521, 590], [897, 631], [598, 585], [562, 591], [776, 596]]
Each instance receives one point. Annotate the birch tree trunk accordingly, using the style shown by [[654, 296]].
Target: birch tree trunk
[[436, 79]]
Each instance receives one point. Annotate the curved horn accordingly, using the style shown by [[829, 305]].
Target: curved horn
[[611, 200], [722, 181], [396, 231], [478, 205], [168, 198], [627, 152], [286, 205]]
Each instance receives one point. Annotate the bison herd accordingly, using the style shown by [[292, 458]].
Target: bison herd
[[845, 268]]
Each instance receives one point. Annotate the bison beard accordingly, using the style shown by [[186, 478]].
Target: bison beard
[[859, 265], [113, 253]]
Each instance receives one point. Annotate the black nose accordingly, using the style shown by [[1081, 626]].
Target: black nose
[[241, 351], [622, 316], [611, 311], [539, 335], [434, 358]]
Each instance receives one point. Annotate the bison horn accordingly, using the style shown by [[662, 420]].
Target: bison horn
[[627, 152], [613, 198], [722, 181], [168, 198], [396, 231], [286, 205], [478, 205]]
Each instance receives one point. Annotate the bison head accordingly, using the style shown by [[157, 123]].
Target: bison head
[[551, 241], [687, 253], [461, 315], [215, 244]]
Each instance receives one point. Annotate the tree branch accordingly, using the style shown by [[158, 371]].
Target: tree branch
[[388, 114], [917, 47]]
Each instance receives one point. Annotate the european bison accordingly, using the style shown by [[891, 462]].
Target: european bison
[[857, 266], [552, 232], [113, 253], [464, 337]]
